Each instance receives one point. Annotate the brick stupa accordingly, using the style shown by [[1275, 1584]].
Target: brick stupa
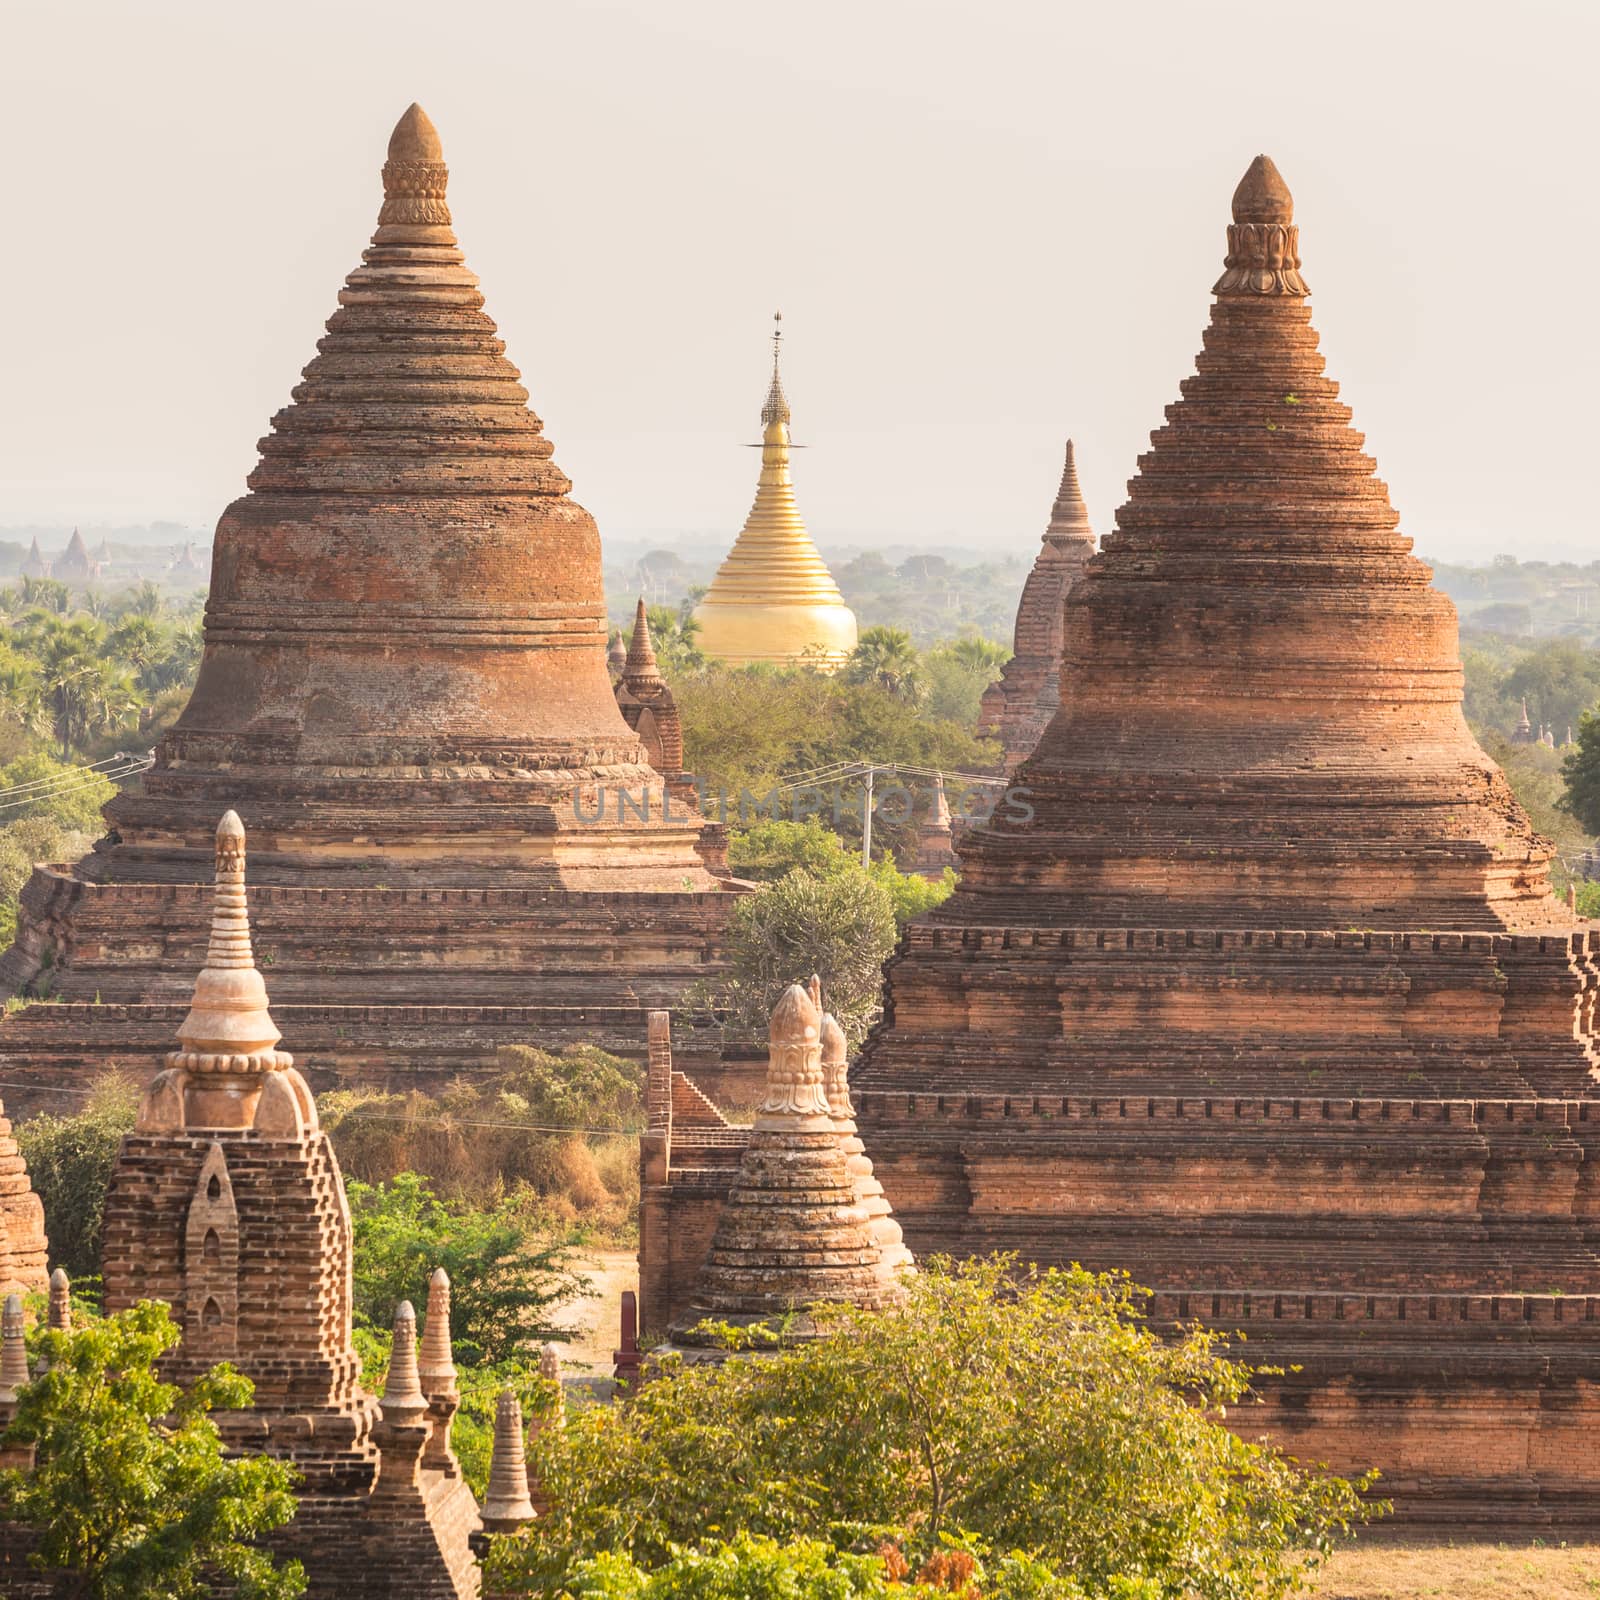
[[1270, 1003], [805, 1221], [227, 1203], [404, 691], [1018, 706]]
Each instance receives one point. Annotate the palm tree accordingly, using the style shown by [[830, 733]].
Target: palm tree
[[21, 694], [980, 654], [887, 657], [84, 689], [145, 601]]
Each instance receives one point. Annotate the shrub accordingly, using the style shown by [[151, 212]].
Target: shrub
[[842, 928], [70, 1161], [1028, 1407], [506, 1279], [508, 1133]]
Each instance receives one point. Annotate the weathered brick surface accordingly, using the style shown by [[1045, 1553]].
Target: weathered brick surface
[[23, 1267], [1269, 1004]]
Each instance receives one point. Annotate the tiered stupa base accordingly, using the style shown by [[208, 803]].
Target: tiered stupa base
[[430, 980], [1375, 1154]]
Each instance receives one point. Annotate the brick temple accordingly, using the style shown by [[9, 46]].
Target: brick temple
[[227, 1203], [1270, 1003], [404, 692], [1018, 705]]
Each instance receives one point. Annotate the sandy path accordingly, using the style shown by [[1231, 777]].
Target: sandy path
[[596, 1320]]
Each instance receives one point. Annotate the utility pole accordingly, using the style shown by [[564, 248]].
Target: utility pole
[[866, 820]]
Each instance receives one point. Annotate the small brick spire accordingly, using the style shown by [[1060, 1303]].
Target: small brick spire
[[60, 1313], [640, 669], [13, 1351], [436, 1369], [507, 1505], [403, 1403]]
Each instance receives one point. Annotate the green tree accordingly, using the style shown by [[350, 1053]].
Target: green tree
[[131, 1495], [70, 1160], [1028, 1408], [773, 847], [1581, 770], [842, 928], [958, 671], [36, 785], [83, 686], [505, 1281], [887, 657]]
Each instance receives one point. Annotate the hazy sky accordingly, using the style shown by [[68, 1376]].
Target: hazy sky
[[987, 226]]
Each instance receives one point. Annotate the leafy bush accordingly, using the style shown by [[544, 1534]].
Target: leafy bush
[[1028, 1407], [70, 1161], [505, 1278], [842, 928], [131, 1492], [754, 1567], [773, 848]]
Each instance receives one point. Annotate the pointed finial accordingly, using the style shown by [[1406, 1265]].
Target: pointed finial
[[1069, 516], [507, 1506], [403, 1401], [940, 809], [617, 653], [415, 176], [641, 663], [228, 1028], [776, 408], [1262, 195], [436, 1368], [13, 1349], [1263, 242]]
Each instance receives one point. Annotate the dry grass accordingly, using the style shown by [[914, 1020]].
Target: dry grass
[[1379, 1571]]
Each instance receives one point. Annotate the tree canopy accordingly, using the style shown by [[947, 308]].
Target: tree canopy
[[1020, 1409]]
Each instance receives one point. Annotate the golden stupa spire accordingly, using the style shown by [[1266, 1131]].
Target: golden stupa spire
[[773, 598]]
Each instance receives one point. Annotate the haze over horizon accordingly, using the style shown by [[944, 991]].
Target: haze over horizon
[[984, 236]]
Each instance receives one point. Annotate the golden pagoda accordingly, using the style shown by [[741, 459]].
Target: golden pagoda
[[773, 599]]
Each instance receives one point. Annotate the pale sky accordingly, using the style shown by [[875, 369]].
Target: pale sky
[[987, 225]]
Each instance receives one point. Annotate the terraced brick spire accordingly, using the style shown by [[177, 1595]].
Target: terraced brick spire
[[406, 611], [507, 1504], [403, 1403], [13, 1350], [1018, 706], [1261, 693], [640, 672]]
